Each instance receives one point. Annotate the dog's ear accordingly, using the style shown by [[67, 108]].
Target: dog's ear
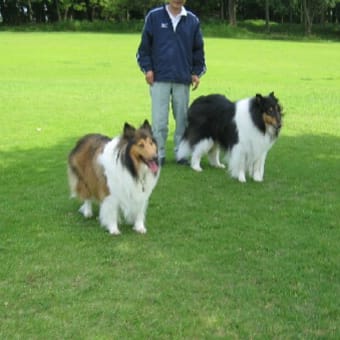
[[128, 131], [259, 98], [271, 94], [146, 125]]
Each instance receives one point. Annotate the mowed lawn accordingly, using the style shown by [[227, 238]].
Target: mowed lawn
[[221, 259]]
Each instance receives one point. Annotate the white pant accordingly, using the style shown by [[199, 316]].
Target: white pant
[[161, 93]]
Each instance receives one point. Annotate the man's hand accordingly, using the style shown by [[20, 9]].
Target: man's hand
[[149, 77], [195, 81]]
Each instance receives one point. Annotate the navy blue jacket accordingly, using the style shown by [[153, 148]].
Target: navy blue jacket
[[173, 56]]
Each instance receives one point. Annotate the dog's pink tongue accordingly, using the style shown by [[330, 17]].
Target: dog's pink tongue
[[153, 166]]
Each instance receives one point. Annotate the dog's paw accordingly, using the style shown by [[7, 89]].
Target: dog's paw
[[196, 168], [113, 230], [140, 229], [242, 178], [87, 214], [258, 178], [220, 166], [86, 211]]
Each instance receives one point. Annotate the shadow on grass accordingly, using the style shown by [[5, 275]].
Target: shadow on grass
[[34, 182]]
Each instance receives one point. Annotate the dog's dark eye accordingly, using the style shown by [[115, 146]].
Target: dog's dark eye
[[141, 145]]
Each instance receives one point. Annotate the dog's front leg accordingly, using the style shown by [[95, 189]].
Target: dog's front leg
[[259, 168], [139, 226], [238, 163], [108, 215]]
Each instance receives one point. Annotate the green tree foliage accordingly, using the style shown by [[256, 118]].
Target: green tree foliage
[[14, 12]]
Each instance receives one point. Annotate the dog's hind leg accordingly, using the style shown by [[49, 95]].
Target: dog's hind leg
[[214, 157], [86, 209], [199, 150]]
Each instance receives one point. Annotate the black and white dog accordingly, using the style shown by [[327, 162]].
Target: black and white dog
[[245, 130]]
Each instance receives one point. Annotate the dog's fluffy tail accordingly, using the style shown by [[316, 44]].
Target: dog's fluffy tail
[[72, 181], [184, 150]]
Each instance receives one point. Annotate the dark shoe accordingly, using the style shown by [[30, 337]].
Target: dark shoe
[[162, 161], [183, 161]]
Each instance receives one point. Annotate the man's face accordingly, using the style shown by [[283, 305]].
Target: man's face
[[176, 4]]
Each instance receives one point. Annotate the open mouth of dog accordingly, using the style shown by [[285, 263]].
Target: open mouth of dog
[[152, 164]]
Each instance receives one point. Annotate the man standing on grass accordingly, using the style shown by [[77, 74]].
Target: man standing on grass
[[171, 55]]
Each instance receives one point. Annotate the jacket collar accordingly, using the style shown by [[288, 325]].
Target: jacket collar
[[183, 12]]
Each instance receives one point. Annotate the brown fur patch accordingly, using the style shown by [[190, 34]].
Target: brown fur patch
[[83, 165], [270, 120]]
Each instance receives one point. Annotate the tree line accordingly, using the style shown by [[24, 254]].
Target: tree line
[[307, 12]]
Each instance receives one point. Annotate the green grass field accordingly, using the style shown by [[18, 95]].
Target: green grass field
[[221, 259]]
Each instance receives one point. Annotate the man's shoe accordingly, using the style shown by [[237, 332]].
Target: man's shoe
[[183, 161], [162, 161]]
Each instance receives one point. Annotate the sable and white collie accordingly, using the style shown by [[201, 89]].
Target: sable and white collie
[[120, 173], [245, 130]]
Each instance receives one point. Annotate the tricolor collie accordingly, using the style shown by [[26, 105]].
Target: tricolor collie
[[245, 130], [119, 173]]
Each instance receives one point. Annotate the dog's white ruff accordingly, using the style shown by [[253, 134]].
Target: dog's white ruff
[[128, 196]]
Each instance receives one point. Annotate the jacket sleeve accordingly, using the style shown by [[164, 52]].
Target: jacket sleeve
[[144, 51], [198, 64]]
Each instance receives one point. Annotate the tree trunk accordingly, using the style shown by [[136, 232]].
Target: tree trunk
[[66, 13], [267, 15], [57, 9], [222, 10], [88, 10], [30, 11], [232, 12], [290, 12], [307, 17]]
